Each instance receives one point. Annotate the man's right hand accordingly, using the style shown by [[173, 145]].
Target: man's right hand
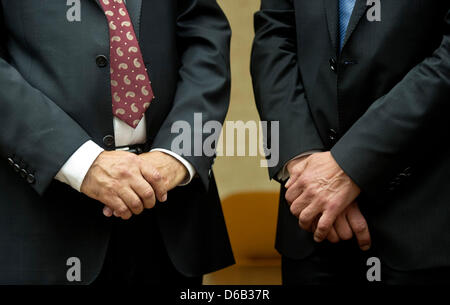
[[349, 223], [124, 183]]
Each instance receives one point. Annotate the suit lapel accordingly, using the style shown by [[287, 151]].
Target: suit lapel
[[358, 12], [98, 3], [332, 16], [134, 9]]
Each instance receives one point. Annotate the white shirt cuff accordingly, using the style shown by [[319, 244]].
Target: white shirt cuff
[[76, 168], [187, 164], [284, 174]]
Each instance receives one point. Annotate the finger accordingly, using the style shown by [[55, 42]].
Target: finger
[[314, 224], [333, 236], [293, 192], [125, 216], [360, 227], [309, 213], [289, 182], [324, 226], [155, 179], [119, 208], [299, 168], [343, 228], [132, 200], [299, 205], [292, 181], [107, 211], [145, 192]]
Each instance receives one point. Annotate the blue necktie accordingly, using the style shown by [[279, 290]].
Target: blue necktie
[[345, 12]]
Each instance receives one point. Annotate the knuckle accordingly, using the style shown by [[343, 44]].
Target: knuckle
[[303, 225], [302, 182], [320, 201], [294, 210], [122, 210], [346, 235], [304, 218], [135, 204], [331, 205], [360, 227], [124, 172], [312, 193], [306, 178], [156, 175], [322, 227], [148, 194], [294, 174], [289, 198]]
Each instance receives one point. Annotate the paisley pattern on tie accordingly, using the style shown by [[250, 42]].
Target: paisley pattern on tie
[[131, 88]]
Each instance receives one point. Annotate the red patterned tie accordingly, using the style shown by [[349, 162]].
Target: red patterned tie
[[130, 84]]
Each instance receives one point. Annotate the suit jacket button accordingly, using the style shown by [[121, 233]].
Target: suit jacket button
[[11, 161], [31, 179], [108, 141], [17, 168], [333, 64], [23, 173], [101, 61]]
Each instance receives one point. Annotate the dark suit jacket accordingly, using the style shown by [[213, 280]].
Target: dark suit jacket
[[55, 95], [381, 106]]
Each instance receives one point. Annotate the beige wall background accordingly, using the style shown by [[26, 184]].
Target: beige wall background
[[241, 174], [249, 198]]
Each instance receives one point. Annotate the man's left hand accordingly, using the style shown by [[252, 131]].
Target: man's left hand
[[319, 189]]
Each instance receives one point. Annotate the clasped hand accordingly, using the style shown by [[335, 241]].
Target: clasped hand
[[322, 197], [127, 183]]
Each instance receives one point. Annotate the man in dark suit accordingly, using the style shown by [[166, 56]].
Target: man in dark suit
[[361, 90], [89, 91]]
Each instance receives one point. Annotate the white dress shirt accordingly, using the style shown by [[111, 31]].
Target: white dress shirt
[[77, 166]]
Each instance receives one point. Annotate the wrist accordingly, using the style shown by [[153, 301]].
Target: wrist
[[173, 171]]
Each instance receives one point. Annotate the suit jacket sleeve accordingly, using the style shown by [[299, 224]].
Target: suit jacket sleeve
[[374, 144], [203, 39], [34, 131], [279, 92]]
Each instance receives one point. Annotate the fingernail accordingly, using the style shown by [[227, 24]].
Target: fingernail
[[317, 239], [164, 197], [365, 247], [287, 183]]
